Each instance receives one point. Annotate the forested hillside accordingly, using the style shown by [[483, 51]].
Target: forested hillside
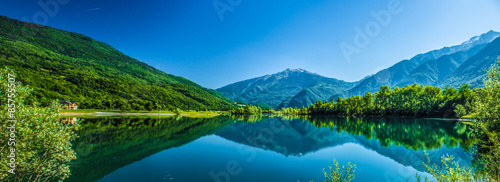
[[448, 66], [432, 71], [474, 69], [69, 66], [397, 74]]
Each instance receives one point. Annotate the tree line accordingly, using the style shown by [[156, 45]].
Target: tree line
[[410, 100]]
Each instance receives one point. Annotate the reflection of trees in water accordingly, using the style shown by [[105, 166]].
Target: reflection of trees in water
[[247, 117], [107, 144], [403, 140], [410, 133]]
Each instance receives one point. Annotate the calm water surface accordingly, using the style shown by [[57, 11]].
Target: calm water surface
[[252, 148]]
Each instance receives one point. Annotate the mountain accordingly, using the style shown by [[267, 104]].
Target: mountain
[[69, 66], [431, 71], [297, 88], [474, 69], [289, 88], [395, 74]]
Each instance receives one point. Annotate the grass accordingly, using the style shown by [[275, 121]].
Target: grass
[[200, 114], [112, 111], [90, 113], [467, 116]]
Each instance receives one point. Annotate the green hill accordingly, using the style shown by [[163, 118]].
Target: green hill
[[69, 66]]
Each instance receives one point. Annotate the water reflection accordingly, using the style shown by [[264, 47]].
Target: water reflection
[[403, 140], [111, 143]]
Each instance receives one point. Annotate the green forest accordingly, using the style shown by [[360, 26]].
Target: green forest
[[413, 100], [70, 66]]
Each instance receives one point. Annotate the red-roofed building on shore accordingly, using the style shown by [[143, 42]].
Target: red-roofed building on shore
[[69, 105]]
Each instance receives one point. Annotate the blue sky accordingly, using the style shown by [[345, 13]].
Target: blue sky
[[253, 38]]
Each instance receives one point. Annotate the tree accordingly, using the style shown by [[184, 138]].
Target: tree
[[43, 144], [487, 123], [382, 98]]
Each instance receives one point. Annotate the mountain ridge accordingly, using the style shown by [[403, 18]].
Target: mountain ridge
[[273, 89], [394, 74], [426, 68], [474, 69], [430, 72]]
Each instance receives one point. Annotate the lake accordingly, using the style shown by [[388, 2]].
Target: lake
[[260, 148]]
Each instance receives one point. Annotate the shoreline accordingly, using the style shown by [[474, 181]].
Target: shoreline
[[113, 114], [103, 113]]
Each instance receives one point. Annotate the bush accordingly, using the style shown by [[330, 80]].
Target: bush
[[43, 144], [449, 170], [487, 124], [335, 174], [460, 110]]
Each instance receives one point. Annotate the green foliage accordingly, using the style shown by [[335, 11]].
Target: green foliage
[[486, 127], [43, 143], [449, 171], [248, 109], [178, 111], [288, 111], [413, 100], [460, 110], [248, 118], [410, 133], [263, 105], [337, 174], [70, 66], [487, 124]]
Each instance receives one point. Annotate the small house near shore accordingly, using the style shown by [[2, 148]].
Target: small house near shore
[[69, 105], [68, 120]]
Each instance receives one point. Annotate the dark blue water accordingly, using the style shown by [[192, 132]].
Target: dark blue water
[[261, 149]]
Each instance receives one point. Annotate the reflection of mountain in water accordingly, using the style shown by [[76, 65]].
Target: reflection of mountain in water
[[403, 140], [107, 144]]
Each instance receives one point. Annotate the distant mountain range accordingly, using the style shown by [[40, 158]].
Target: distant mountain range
[[396, 74], [449, 66], [69, 66], [474, 69], [289, 88]]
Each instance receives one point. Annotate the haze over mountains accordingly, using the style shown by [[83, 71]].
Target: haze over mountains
[[449, 66]]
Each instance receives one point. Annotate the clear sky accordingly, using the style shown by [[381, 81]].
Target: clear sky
[[242, 39]]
